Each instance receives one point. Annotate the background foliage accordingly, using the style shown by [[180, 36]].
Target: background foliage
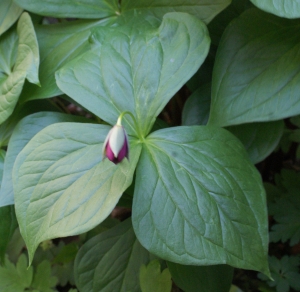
[[213, 87]]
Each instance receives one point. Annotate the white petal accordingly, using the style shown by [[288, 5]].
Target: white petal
[[116, 139]]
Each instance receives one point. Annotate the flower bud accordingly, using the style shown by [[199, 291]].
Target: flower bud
[[116, 145]]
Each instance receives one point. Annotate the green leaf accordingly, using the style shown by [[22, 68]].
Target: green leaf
[[283, 8], [202, 278], [217, 26], [20, 66], [256, 74], [20, 112], [17, 278], [197, 182], [116, 75], [204, 10], [70, 8], [67, 254], [285, 273], [7, 228], [23, 132], [9, 13], [286, 211], [196, 108], [111, 261], [59, 175], [56, 50], [43, 280], [259, 139], [153, 280], [8, 219], [64, 273]]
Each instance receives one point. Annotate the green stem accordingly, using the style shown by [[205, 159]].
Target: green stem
[[119, 122]]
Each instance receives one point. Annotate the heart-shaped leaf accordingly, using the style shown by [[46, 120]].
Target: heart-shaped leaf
[[137, 69], [256, 75], [114, 254], [198, 182], [19, 66], [283, 8], [61, 185]]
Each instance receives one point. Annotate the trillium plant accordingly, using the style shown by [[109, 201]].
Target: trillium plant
[[158, 110]]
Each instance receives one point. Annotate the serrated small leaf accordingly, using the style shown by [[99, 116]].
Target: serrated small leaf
[[152, 279], [9, 13], [43, 280], [111, 261], [287, 226], [61, 174], [197, 182], [285, 272], [15, 278]]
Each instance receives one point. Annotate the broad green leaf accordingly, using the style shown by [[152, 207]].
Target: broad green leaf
[[256, 75], [217, 26], [20, 112], [15, 278], [43, 280], [203, 9], [15, 246], [57, 49], [62, 187], [196, 108], [9, 13], [20, 66], [116, 75], [199, 200], [202, 278], [153, 280], [23, 132], [8, 219], [70, 8], [111, 261], [283, 8], [7, 228], [259, 139]]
